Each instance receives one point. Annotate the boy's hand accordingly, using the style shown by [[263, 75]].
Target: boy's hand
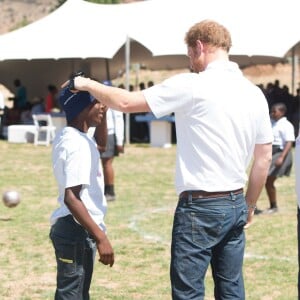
[[106, 252]]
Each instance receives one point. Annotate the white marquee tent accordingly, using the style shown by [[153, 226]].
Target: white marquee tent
[[88, 36]]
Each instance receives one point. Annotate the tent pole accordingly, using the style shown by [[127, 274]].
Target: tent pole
[[107, 69], [127, 79], [293, 70]]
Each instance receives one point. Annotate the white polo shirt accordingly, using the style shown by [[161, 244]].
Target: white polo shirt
[[76, 161], [219, 116]]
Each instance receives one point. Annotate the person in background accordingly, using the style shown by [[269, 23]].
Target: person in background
[[50, 100], [295, 115], [150, 83], [297, 172], [20, 105], [20, 99], [284, 136], [143, 127], [115, 145], [222, 124], [2, 111], [77, 225], [38, 106]]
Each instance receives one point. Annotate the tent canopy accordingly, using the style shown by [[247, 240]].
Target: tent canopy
[[80, 29], [84, 35], [77, 29]]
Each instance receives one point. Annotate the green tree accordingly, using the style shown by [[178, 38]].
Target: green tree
[[21, 24], [60, 2]]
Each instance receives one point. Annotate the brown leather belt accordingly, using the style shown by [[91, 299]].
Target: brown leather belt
[[204, 194]]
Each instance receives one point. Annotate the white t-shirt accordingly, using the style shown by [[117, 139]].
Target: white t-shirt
[[2, 101], [219, 116], [76, 161], [115, 125], [283, 131], [297, 168]]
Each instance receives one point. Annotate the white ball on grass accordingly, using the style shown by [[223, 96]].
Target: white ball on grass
[[11, 198]]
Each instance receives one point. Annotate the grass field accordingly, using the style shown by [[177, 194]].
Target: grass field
[[139, 227]]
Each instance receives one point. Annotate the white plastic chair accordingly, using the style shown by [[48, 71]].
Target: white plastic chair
[[45, 131]]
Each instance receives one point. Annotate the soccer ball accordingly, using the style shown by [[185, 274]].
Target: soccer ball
[[11, 198]]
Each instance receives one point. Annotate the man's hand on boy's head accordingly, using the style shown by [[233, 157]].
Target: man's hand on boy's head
[[80, 83], [71, 82]]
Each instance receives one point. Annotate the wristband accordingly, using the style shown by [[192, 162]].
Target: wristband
[[252, 206]]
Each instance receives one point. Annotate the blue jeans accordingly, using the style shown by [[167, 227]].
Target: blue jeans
[[75, 254], [208, 231]]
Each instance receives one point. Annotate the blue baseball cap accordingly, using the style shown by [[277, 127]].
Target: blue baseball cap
[[74, 103]]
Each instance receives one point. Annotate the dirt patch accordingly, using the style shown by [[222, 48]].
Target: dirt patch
[[18, 13]]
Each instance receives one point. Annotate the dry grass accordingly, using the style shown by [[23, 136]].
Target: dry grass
[[139, 225]]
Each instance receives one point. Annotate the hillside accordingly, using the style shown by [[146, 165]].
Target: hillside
[[17, 13]]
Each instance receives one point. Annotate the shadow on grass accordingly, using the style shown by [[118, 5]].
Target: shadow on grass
[[3, 219]]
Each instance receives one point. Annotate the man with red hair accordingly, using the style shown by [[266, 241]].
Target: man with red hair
[[222, 124]]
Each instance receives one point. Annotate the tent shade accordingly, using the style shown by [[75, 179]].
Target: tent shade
[[81, 29], [89, 36]]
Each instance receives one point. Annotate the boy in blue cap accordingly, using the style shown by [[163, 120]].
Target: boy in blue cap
[[77, 225]]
